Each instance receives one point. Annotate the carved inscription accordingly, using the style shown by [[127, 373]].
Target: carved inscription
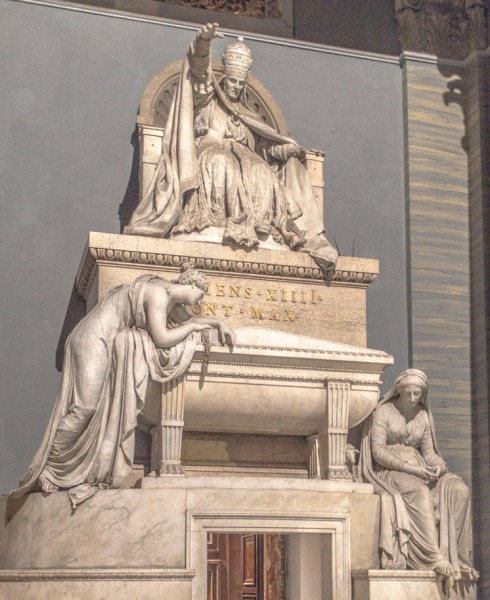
[[257, 303]]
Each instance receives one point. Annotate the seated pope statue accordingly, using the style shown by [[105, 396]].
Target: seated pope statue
[[139, 331], [222, 166]]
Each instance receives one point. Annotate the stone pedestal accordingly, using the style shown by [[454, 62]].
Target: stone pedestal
[[151, 543], [407, 585]]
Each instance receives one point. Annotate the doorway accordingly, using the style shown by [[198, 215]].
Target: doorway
[[246, 566]]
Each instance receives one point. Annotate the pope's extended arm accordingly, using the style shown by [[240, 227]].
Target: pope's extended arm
[[199, 56], [284, 152]]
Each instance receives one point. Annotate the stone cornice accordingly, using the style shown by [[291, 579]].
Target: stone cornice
[[343, 353], [446, 29], [171, 254]]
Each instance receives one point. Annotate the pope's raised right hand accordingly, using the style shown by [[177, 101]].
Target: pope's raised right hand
[[210, 31]]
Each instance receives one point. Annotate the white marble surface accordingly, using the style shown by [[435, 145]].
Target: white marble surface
[[333, 309], [148, 528], [257, 483], [16, 586], [407, 585]]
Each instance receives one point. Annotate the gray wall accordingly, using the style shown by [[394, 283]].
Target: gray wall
[[364, 25], [71, 83]]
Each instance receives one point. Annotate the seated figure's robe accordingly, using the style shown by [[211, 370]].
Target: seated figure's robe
[[421, 524], [223, 166]]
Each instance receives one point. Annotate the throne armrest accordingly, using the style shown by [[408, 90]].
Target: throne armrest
[[314, 165]]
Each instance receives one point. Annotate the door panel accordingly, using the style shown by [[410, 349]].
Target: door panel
[[246, 566]]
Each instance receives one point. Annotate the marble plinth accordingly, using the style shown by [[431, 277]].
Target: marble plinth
[[407, 585], [152, 542], [270, 288]]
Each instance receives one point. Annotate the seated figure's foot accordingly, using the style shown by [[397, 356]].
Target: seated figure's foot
[[444, 567], [45, 485], [263, 228], [469, 572]]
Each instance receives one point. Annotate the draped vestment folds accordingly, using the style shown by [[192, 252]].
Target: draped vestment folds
[[421, 523], [109, 358], [222, 166]]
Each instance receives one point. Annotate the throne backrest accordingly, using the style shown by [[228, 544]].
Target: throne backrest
[[155, 106]]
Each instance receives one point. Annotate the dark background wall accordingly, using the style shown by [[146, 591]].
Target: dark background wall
[[71, 84], [356, 24]]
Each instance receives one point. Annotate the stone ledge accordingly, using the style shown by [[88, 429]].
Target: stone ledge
[[257, 483], [97, 574], [170, 254], [390, 575], [377, 584]]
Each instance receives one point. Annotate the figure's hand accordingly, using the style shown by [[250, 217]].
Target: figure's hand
[[210, 31], [200, 327], [439, 470], [298, 152], [226, 335], [426, 474]]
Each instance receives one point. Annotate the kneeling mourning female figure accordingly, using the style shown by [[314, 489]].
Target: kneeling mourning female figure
[[140, 330], [425, 511]]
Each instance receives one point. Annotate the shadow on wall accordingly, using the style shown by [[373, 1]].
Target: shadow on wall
[[74, 314], [456, 93], [76, 306], [131, 196], [468, 88]]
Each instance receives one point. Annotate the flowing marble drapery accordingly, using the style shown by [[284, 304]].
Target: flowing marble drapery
[[109, 357], [222, 166], [421, 524]]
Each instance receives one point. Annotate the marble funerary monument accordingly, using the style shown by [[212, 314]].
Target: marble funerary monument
[[208, 395]]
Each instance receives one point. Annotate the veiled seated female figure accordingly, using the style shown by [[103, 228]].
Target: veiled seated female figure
[[425, 511]]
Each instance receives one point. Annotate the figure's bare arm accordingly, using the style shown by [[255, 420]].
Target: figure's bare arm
[[431, 457], [156, 305], [226, 334], [199, 56]]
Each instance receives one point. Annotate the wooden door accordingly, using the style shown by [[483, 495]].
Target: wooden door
[[245, 566]]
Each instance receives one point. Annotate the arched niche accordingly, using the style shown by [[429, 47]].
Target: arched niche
[[155, 105], [158, 95]]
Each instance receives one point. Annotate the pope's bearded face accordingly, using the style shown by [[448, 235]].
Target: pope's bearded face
[[233, 86]]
